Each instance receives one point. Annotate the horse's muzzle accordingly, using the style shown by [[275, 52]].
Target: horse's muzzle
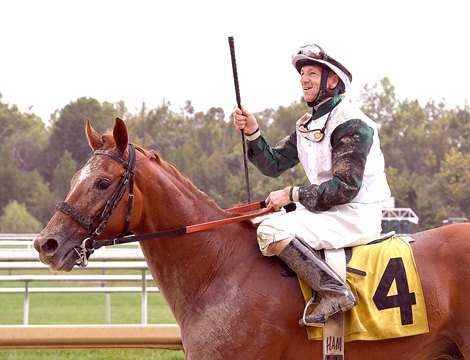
[[53, 254]]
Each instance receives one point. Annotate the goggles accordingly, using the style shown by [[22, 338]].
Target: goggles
[[315, 135], [313, 51]]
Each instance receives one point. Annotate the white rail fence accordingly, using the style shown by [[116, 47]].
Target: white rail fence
[[17, 257]]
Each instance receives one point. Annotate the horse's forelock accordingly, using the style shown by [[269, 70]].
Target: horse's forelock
[[108, 140]]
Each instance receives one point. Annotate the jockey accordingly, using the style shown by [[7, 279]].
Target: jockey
[[339, 149]]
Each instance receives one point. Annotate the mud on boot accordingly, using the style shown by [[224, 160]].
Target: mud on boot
[[335, 294], [330, 304]]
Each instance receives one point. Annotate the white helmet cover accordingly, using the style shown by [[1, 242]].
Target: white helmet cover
[[323, 59]]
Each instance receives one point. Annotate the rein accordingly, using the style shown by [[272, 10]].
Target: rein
[[190, 228], [89, 245]]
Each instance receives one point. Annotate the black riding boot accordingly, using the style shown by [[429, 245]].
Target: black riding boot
[[335, 295]]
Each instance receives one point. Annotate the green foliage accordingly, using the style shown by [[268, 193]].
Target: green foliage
[[40, 201], [425, 148], [23, 139], [423, 171], [67, 132], [63, 173], [17, 219], [454, 180]]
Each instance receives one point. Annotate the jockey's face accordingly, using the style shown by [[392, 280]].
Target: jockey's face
[[310, 79]]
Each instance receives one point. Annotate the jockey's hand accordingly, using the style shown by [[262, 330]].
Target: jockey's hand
[[244, 120], [279, 198]]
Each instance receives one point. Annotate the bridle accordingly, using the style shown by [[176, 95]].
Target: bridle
[[102, 217], [89, 245]]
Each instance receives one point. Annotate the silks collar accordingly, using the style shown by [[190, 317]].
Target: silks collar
[[326, 107]]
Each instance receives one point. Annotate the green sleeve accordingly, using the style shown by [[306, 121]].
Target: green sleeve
[[273, 161], [351, 143]]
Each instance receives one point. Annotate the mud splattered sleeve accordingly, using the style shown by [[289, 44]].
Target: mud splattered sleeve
[[273, 161], [351, 143]]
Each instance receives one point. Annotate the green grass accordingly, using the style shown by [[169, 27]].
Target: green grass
[[83, 308], [50, 309]]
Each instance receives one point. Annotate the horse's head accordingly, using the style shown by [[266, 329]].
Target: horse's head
[[93, 206]]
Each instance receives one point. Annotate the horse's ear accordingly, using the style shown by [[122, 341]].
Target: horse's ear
[[94, 138], [120, 135]]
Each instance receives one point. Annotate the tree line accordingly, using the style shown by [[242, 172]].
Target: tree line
[[426, 153]]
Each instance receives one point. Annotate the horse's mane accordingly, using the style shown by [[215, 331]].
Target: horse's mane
[[169, 168], [109, 142]]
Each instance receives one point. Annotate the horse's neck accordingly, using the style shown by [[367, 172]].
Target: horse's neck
[[173, 201], [181, 265]]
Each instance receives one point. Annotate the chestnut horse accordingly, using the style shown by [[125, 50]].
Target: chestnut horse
[[229, 301]]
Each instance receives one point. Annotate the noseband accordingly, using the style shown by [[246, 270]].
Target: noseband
[[102, 217]]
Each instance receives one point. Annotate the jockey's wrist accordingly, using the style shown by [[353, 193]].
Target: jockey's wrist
[[253, 135], [294, 193]]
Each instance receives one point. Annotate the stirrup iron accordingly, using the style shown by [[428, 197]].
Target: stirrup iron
[[303, 322]]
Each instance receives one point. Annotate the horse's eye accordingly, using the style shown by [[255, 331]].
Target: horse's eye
[[103, 184]]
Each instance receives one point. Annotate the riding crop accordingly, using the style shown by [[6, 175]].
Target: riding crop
[[237, 94]]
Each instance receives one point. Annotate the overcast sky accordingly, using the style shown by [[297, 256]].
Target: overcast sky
[[54, 52]]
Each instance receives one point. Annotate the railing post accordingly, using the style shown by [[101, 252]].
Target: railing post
[[144, 298], [26, 303], [107, 315]]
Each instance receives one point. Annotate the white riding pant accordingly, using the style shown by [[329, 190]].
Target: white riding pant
[[342, 226]]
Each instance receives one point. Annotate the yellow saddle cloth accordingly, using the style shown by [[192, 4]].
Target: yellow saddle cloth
[[385, 281]]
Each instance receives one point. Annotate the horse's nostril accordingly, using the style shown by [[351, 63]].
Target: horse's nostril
[[50, 246]]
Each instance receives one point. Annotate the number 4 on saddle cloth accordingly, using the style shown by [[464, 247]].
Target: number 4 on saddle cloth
[[384, 279]]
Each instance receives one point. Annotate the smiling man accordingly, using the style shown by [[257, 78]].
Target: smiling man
[[339, 149]]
